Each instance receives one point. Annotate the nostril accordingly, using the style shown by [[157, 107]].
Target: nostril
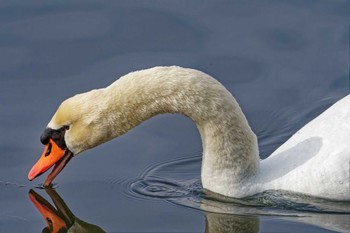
[[48, 151]]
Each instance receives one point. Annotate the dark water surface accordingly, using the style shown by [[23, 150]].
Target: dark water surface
[[284, 61]]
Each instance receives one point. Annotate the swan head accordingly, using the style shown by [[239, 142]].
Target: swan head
[[76, 126]]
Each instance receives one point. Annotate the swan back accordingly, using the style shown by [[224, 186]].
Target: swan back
[[316, 159]]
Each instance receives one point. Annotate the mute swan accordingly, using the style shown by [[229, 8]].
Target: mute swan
[[315, 161]]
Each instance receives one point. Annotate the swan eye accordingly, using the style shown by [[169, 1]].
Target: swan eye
[[48, 151], [66, 127]]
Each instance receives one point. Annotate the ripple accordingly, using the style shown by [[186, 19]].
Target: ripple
[[62, 26], [166, 189], [51, 186], [162, 181], [12, 184], [168, 180], [285, 39], [246, 70]]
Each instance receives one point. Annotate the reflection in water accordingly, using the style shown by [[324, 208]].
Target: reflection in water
[[221, 217], [60, 219], [239, 217], [235, 215], [224, 223]]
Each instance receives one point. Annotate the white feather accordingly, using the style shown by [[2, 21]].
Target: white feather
[[315, 161]]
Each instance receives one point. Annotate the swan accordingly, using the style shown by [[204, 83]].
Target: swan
[[314, 161]]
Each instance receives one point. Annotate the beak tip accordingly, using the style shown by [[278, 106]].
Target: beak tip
[[30, 178], [32, 174]]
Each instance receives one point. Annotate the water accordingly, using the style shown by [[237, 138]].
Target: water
[[173, 181], [284, 61], [165, 181]]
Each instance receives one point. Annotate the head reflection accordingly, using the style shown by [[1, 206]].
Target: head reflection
[[59, 218], [221, 217]]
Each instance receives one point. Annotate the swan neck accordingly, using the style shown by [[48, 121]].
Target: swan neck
[[229, 146]]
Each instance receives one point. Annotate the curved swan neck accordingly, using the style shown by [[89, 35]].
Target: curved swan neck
[[230, 148], [230, 151]]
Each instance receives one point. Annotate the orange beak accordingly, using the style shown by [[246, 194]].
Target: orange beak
[[52, 155]]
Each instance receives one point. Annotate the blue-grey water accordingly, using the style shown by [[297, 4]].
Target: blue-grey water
[[284, 61]]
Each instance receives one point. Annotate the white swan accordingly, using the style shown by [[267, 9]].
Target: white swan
[[314, 161]]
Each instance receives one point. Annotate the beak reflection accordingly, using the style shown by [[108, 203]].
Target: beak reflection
[[232, 219], [58, 217]]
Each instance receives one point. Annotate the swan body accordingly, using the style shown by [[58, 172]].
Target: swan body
[[315, 161]]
